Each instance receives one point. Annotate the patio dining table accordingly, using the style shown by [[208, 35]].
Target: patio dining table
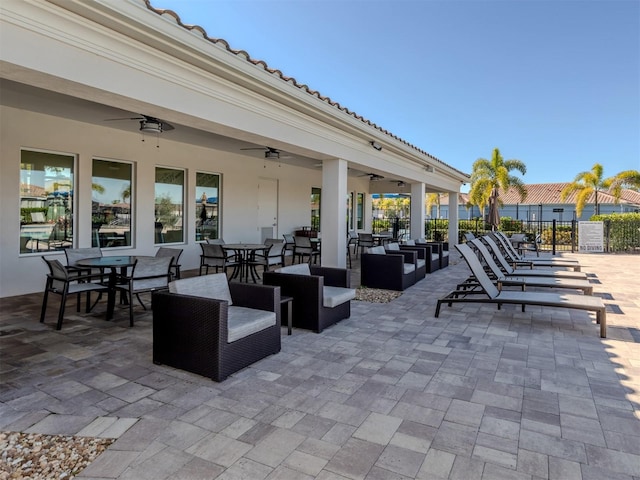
[[245, 253], [118, 265]]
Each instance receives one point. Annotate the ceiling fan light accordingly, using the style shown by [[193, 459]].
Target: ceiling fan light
[[271, 154], [150, 126]]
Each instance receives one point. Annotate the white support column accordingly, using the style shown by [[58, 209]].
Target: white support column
[[453, 220], [417, 210], [333, 213]]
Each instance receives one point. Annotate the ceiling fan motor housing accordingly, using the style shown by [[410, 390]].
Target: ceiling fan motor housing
[[150, 126]]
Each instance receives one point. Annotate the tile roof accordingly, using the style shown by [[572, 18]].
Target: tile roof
[[290, 80], [547, 194]]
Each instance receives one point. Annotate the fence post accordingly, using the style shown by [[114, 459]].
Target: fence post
[[607, 229], [553, 237], [573, 236]]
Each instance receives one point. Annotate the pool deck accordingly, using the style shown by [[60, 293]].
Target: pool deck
[[390, 393]]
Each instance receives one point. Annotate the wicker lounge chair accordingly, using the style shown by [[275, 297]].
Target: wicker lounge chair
[[208, 326], [431, 256], [502, 279], [441, 249], [379, 269], [421, 258], [321, 295], [489, 293]]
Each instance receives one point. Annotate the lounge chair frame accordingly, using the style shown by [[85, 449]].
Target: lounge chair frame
[[502, 279], [489, 293]]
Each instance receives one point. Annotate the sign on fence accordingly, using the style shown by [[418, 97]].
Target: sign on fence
[[590, 237]]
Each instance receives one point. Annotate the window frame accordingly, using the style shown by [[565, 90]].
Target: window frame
[[132, 197], [198, 198], [73, 203], [183, 240]]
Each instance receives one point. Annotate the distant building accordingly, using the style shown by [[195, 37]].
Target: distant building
[[543, 203]]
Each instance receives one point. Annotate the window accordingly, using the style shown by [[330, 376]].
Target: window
[[169, 205], [111, 195], [46, 201], [360, 211], [350, 211], [315, 209], [207, 201]]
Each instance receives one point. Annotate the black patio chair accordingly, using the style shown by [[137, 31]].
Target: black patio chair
[[60, 281]]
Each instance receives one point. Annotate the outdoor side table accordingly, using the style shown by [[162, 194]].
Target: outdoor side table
[[287, 302]]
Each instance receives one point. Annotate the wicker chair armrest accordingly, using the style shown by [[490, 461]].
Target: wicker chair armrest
[[437, 247], [260, 297], [410, 256], [423, 251], [333, 277], [307, 288]]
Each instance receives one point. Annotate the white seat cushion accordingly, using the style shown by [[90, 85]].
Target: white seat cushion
[[377, 250], [244, 321], [421, 262], [297, 269], [334, 296], [435, 256], [409, 267], [393, 246], [215, 286]]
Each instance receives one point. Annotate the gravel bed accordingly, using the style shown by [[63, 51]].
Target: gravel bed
[[35, 456], [376, 295]]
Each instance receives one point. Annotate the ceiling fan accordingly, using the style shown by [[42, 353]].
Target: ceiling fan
[[374, 177], [269, 152], [148, 124]]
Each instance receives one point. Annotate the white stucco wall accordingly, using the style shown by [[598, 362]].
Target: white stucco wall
[[240, 175]]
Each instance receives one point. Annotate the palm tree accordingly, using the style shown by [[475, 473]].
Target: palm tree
[[626, 179], [433, 199], [489, 174], [585, 184]]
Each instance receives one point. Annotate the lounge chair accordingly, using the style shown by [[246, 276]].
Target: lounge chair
[[489, 293], [528, 272], [516, 259], [502, 279]]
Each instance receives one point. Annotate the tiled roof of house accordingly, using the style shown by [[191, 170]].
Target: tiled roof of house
[[290, 80], [548, 194], [28, 190]]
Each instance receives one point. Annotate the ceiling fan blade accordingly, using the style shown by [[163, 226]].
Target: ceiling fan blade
[[124, 118]]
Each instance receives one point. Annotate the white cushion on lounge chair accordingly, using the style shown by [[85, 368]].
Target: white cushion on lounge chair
[[410, 242], [379, 250], [393, 246], [421, 262], [215, 286], [297, 269], [334, 296], [243, 321]]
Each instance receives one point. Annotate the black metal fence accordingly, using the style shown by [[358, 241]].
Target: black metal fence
[[553, 235]]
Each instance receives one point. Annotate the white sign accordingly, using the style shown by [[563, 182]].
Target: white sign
[[590, 237]]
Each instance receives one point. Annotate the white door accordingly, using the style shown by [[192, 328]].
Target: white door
[[267, 208]]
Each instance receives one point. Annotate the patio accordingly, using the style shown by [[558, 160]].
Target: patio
[[392, 392]]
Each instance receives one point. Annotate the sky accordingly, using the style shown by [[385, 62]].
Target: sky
[[553, 83]]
